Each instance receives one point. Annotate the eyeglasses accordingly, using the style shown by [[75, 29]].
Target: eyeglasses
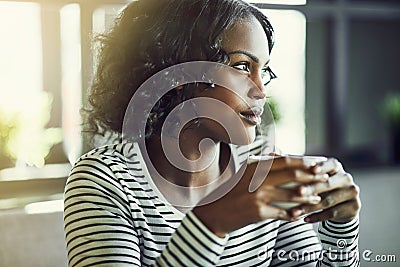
[[267, 76]]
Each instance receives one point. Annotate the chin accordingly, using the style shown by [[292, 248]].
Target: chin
[[241, 135], [245, 138]]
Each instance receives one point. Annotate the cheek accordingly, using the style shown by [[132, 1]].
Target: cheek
[[221, 120], [219, 110], [226, 96], [219, 104]]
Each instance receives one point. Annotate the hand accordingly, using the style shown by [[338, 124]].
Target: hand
[[340, 200], [239, 207]]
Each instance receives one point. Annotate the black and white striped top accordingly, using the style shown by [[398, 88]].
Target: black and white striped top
[[115, 217]]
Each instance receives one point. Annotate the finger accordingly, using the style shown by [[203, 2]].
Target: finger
[[302, 176], [291, 178], [311, 161], [343, 212], [259, 170], [271, 194], [270, 212], [286, 162], [330, 166], [339, 180], [328, 200]]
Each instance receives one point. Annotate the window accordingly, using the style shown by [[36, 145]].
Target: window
[[288, 62], [70, 29], [24, 106]]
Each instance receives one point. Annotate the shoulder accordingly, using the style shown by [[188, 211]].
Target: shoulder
[[114, 156], [105, 165]]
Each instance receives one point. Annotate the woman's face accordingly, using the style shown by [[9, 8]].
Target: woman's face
[[247, 46]]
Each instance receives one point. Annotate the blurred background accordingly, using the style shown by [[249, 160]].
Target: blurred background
[[337, 94]]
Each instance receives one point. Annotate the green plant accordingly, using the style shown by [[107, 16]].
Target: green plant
[[273, 105], [266, 117], [271, 115], [7, 125], [392, 109], [24, 137]]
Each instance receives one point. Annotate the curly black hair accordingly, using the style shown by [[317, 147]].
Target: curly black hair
[[151, 35]]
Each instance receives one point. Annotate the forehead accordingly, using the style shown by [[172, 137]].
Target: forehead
[[247, 35]]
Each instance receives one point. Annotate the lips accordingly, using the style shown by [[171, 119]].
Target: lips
[[252, 115]]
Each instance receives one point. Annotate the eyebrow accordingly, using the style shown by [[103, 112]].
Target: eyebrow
[[250, 55]]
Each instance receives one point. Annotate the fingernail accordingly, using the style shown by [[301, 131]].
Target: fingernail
[[298, 212], [322, 177], [306, 190], [282, 214], [314, 199], [307, 219], [317, 169]]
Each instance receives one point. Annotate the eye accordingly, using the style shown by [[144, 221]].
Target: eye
[[242, 66]]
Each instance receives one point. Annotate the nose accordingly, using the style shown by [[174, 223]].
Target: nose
[[258, 90]]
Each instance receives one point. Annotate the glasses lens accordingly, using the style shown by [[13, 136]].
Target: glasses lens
[[267, 76]]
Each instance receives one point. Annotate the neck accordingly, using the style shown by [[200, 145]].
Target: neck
[[211, 167], [189, 161]]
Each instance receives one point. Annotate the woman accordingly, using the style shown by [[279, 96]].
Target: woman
[[178, 200]]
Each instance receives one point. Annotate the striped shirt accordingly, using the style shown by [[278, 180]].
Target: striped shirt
[[115, 216]]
